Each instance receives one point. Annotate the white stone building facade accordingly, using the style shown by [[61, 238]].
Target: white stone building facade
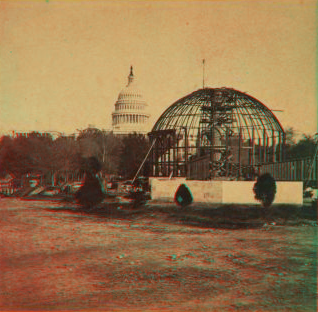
[[131, 110]]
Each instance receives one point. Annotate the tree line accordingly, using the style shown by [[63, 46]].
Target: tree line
[[41, 154], [298, 149]]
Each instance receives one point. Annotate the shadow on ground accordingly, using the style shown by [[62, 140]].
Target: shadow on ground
[[203, 216]]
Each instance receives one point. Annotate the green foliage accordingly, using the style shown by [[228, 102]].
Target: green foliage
[[92, 192], [265, 189], [92, 165], [305, 147], [37, 154], [40, 154], [290, 136], [111, 149], [65, 154], [134, 150], [23, 155], [119, 155], [105, 146], [183, 196]]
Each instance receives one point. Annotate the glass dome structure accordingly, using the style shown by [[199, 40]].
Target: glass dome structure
[[219, 130]]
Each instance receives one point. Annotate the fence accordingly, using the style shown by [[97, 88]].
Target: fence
[[305, 169]]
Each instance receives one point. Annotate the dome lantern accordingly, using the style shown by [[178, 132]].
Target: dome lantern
[[131, 76]]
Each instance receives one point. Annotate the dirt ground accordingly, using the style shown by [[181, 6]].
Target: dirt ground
[[157, 257]]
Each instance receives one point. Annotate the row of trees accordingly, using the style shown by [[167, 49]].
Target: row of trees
[[304, 147], [119, 155], [40, 154]]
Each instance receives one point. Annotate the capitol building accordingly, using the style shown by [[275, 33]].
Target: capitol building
[[130, 113]]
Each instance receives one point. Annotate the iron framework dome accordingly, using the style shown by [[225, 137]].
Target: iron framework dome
[[225, 129]]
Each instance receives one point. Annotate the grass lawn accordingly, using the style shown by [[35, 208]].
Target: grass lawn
[[159, 257]]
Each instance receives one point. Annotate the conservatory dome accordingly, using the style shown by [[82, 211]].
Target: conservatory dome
[[215, 121]]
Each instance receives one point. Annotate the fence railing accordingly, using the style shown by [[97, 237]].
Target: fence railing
[[305, 169]]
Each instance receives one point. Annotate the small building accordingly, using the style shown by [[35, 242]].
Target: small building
[[9, 184]]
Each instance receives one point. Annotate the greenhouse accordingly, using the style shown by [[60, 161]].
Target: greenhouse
[[215, 133]]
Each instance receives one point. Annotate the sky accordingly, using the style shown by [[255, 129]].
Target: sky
[[63, 63]]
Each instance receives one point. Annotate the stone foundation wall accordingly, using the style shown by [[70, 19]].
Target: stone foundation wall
[[224, 192]]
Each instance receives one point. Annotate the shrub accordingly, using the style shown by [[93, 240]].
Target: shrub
[[183, 196], [265, 189], [91, 193]]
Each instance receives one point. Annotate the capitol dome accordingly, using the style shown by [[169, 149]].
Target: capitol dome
[[130, 113], [212, 122]]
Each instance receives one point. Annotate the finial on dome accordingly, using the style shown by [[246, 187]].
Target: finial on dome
[[131, 75], [203, 74]]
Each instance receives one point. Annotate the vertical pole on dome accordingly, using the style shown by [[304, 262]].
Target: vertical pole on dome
[[203, 73]]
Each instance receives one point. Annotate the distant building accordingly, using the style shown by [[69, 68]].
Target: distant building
[[27, 134], [130, 113]]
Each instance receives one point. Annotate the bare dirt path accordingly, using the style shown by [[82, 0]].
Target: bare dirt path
[[157, 257]]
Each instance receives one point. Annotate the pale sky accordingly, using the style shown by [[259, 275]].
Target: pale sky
[[63, 63]]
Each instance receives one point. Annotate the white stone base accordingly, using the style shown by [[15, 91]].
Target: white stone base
[[224, 192]]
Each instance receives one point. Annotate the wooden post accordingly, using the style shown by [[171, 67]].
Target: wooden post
[[226, 152], [259, 150], [253, 147], [273, 147], [185, 150], [264, 145], [177, 152], [156, 158], [169, 160], [282, 150], [175, 141], [239, 153]]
